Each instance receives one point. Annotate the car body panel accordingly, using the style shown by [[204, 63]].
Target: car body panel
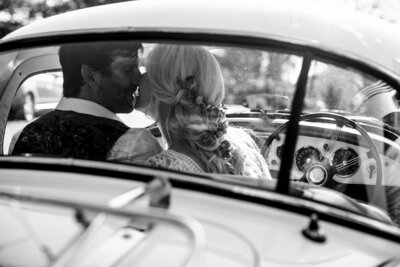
[[261, 227], [360, 35]]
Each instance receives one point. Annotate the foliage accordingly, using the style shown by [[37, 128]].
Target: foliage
[[253, 72], [333, 87], [8, 26], [17, 13]]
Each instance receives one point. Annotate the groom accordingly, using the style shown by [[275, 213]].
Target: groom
[[100, 80]]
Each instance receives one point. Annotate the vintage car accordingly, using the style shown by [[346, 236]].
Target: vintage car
[[317, 88]]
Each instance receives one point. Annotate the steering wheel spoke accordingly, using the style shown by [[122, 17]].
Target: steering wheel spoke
[[334, 138]]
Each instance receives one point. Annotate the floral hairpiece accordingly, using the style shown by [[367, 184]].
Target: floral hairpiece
[[189, 85], [212, 138]]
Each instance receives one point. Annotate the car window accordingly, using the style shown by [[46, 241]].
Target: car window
[[253, 77], [336, 88], [36, 96], [255, 82], [346, 141], [346, 137]]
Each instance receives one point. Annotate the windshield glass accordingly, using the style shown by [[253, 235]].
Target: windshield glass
[[209, 109]]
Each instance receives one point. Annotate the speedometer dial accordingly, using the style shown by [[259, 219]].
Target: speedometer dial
[[306, 156], [346, 161]]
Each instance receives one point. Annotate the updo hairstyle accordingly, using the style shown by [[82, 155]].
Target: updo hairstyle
[[188, 90]]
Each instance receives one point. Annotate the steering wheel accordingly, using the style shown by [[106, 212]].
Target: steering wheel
[[320, 172]]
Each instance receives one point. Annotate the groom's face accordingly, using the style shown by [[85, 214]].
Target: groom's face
[[118, 86]]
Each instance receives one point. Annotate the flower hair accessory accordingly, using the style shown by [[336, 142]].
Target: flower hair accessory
[[210, 139], [188, 86]]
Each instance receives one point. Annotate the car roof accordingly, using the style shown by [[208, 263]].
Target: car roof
[[345, 32]]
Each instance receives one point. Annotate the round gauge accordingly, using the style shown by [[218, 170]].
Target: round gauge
[[346, 161], [305, 156]]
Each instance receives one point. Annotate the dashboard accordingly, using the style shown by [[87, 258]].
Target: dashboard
[[323, 153]]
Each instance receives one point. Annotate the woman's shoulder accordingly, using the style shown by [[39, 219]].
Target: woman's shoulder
[[173, 160], [135, 134], [242, 136], [135, 146], [134, 137], [252, 162]]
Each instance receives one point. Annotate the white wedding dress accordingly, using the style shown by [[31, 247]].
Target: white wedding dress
[[170, 159], [251, 165], [139, 146]]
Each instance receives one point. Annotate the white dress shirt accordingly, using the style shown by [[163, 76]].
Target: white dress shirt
[[85, 107]]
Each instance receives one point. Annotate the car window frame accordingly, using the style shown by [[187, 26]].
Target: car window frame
[[306, 52]]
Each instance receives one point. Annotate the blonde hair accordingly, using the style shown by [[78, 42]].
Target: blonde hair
[[167, 67]]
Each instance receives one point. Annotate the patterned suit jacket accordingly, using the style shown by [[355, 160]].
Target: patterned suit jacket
[[70, 134]]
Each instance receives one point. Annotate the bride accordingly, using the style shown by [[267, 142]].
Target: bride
[[183, 91]]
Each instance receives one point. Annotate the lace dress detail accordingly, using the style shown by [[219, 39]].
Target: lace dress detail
[[135, 146], [253, 164], [173, 160]]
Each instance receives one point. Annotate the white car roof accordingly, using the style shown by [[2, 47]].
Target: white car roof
[[343, 31]]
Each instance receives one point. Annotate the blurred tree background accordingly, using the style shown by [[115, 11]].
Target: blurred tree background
[[17, 13]]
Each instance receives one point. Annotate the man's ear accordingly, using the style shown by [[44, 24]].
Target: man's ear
[[90, 76]]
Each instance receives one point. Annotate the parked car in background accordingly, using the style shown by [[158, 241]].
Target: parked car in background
[[36, 96], [316, 87]]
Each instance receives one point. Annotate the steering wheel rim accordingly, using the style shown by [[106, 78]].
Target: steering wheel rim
[[340, 121]]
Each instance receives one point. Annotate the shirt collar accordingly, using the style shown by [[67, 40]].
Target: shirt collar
[[85, 107]]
